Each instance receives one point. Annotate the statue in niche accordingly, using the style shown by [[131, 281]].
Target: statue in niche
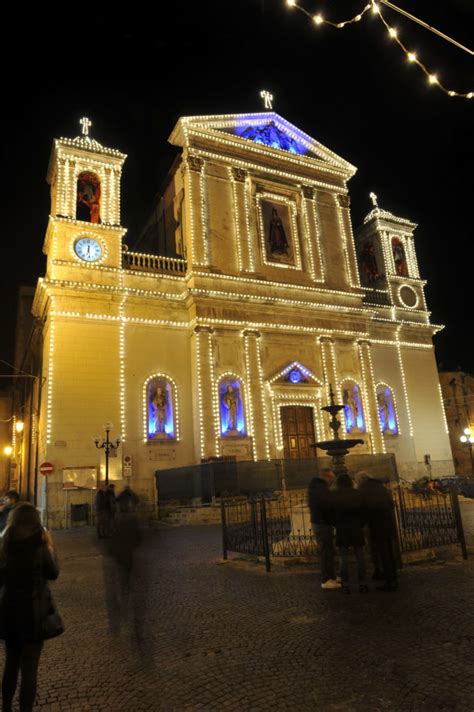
[[88, 197], [160, 403], [399, 258], [230, 401], [369, 262], [384, 411], [352, 407], [277, 237]]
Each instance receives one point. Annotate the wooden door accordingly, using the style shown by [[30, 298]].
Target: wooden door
[[298, 431]]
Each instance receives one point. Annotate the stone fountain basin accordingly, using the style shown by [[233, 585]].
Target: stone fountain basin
[[333, 445]]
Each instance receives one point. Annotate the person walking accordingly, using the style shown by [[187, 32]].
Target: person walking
[[110, 507], [322, 519], [27, 612], [380, 512], [349, 517], [100, 513], [10, 501]]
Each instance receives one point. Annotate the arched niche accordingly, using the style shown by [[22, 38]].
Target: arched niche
[[231, 407], [160, 409], [386, 409], [353, 409], [399, 257], [88, 197]]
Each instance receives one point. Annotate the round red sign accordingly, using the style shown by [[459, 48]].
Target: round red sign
[[46, 468]]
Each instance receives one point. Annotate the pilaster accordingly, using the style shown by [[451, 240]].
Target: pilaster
[[313, 252], [196, 210], [256, 396], [203, 360], [328, 357], [369, 397], [245, 254]]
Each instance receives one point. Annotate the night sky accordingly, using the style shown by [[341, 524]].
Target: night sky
[[350, 89]]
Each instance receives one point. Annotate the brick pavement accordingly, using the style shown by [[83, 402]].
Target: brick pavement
[[227, 636]]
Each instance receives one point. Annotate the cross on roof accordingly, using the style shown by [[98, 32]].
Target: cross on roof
[[267, 98], [86, 124], [373, 197]]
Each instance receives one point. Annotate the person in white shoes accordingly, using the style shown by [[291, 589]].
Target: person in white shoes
[[322, 519]]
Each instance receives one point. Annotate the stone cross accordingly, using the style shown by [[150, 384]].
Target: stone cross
[[373, 197], [267, 98], [86, 124]]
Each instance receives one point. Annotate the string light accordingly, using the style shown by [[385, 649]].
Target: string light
[[411, 56]]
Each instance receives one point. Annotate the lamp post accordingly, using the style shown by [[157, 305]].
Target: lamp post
[[108, 446], [468, 439]]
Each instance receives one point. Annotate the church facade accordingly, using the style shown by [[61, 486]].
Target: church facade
[[230, 348]]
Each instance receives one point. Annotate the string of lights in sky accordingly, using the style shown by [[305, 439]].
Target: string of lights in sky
[[411, 56]]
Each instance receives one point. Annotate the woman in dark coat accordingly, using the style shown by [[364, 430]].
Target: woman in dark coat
[[27, 562], [349, 516]]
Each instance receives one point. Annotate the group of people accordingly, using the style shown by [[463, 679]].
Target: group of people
[[28, 615], [347, 517], [107, 505]]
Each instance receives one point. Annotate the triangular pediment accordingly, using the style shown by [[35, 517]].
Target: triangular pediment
[[294, 374], [267, 130]]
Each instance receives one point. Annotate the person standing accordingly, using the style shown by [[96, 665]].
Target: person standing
[[10, 501], [110, 509], [100, 512], [349, 517], [380, 511], [27, 562], [322, 519]]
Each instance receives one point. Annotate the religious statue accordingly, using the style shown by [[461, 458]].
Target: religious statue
[[351, 407], [399, 258], [277, 237], [88, 198], [230, 401], [369, 262], [160, 401], [383, 410]]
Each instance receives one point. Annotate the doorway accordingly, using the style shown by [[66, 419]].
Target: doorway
[[298, 431]]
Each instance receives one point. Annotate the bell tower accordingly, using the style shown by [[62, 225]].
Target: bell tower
[[84, 225], [387, 259]]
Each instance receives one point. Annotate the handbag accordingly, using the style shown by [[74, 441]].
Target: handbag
[[49, 622]]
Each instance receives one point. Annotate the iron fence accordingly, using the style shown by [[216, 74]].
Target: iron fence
[[281, 527]]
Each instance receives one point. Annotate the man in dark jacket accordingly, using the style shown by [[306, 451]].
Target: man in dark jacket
[[10, 501], [379, 509], [322, 519]]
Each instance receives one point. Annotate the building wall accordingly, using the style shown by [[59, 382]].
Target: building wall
[[458, 395]]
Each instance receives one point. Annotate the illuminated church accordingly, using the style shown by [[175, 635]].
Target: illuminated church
[[226, 344]]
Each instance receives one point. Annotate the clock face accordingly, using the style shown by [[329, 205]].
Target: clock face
[[88, 249]]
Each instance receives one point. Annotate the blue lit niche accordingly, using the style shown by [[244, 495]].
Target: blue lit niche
[[271, 135], [353, 413], [160, 416], [386, 408], [231, 408]]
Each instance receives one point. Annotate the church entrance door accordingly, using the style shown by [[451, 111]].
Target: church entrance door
[[298, 431]]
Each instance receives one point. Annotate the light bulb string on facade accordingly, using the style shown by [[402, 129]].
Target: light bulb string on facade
[[412, 57]]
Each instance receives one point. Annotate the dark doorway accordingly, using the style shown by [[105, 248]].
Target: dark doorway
[[298, 431]]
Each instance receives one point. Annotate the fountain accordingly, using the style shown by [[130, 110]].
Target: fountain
[[339, 447]]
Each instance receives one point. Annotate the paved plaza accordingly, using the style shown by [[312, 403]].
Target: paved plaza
[[228, 636]]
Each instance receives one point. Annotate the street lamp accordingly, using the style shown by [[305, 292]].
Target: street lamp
[[108, 446], [468, 439], [7, 450], [19, 426]]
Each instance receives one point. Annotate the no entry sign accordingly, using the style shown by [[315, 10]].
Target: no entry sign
[[46, 468]]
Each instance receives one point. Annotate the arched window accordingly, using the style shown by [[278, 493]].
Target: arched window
[[88, 197], [386, 408], [161, 412], [399, 257], [231, 408], [353, 411]]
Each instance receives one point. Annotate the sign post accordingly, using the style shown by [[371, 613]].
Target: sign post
[[46, 468]]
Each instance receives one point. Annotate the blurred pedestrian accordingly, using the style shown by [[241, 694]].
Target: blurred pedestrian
[[100, 514], [127, 500], [380, 511], [110, 509], [322, 518], [27, 612], [349, 517], [10, 500]]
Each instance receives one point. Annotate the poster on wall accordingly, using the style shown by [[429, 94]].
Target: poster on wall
[[79, 477], [277, 232]]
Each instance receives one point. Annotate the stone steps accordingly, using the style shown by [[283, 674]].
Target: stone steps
[[181, 516]]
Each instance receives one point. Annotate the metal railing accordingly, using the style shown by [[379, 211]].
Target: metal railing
[[281, 527], [154, 263]]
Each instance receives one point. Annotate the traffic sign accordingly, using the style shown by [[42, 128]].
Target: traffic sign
[[46, 468]]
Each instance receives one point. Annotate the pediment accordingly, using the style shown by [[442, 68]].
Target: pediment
[[294, 374], [268, 130]]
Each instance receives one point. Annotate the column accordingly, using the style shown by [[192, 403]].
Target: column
[[245, 255], [344, 202], [313, 252], [259, 412], [203, 368], [196, 211], [369, 397]]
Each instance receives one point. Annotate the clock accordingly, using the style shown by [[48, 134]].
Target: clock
[[88, 249]]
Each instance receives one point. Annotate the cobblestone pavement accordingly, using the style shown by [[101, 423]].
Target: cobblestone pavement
[[228, 636]]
